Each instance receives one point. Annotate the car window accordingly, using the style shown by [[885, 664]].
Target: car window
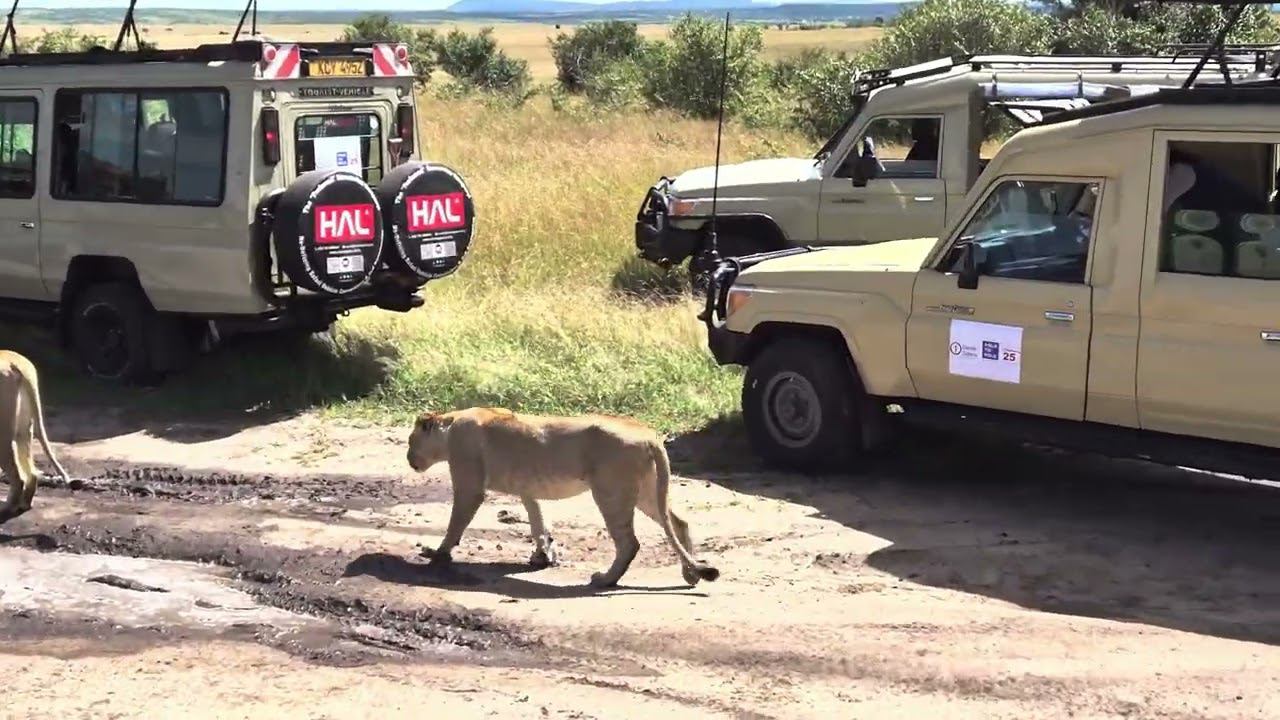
[[1221, 211], [903, 147], [17, 148], [1033, 230], [161, 147]]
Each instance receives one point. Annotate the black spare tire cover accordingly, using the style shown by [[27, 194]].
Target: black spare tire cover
[[328, 232], [429, 218]]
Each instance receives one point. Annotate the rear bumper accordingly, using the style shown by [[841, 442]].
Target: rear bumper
[[657, 240]]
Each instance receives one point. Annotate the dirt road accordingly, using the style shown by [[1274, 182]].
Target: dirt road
[[272, 570]]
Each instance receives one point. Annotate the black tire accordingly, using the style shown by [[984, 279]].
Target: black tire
[[110, 326], [800, 402]]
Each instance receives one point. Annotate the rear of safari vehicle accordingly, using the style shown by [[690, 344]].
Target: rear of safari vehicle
[[344, 215]]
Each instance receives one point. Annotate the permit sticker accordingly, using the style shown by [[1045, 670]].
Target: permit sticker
[[986, 351], [339, 153]]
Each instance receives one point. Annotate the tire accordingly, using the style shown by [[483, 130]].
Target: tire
[[800, 402], [109, 328]]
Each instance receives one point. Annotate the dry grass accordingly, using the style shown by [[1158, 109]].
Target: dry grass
[[527, 41]]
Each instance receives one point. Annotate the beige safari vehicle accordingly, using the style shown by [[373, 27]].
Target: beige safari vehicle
[[153, 201], [1111, 282], [901, 164]]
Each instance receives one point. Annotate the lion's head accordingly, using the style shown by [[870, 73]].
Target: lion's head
[[428, 442]]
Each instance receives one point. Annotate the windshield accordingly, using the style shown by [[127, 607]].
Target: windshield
[[858, 102]]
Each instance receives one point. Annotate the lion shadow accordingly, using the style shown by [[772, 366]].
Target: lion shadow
[[500, 578]]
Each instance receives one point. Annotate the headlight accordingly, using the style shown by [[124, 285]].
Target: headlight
[[682, 206], [737, 297]]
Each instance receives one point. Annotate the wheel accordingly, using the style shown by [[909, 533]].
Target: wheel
[[109, 333], [800, 404]]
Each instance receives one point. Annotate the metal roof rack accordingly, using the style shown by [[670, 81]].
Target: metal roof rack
[[1251, 58], [239, 51]]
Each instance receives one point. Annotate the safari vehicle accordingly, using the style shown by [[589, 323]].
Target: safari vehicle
[[1110, 283], [153, 200], [902, 162]]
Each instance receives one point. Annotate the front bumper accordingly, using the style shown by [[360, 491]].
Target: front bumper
[[656, 238], [727, 346]]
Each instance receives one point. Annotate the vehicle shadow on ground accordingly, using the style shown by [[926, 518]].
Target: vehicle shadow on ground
[[497, 578], [1059, 532], [251, 380]]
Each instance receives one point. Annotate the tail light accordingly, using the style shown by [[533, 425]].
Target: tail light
[[270, 136], [405, 128]]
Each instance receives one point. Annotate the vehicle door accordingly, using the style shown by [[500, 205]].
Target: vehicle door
[[1209, 342], [904, 196], [1014, 334], [19, 204]]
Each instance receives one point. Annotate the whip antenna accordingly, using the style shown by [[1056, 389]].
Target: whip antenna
[[10, 36], [715, 185], [129, 27], [250, 7]]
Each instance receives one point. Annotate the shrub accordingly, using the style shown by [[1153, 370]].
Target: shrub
[[66, 39], [684, 72], [381, 28], [1144, 29], [940, 28], [591, 48], [476, 62], [822, 83]]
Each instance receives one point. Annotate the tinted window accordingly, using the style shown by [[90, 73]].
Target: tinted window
[[17, 148], [1221, 210], [1034, 230], [163, 147], [904, 147], [346, 142]]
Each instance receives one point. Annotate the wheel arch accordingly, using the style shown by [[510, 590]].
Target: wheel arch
[[757, 225], [87, 270], [769, 332]]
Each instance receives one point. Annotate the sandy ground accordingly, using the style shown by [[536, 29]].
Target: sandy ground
[[270, 570]]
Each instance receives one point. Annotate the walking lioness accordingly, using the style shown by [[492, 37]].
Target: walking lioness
[[20, 417], [622, 463]]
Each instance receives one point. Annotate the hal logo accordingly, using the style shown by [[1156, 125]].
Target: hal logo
[[344, 224], [436, 212]]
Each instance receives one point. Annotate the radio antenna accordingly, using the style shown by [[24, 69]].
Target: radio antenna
[[10, 36], [715, 184], [250, 7], [128, 27]]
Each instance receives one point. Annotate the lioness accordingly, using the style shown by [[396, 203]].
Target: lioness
[[622, 463], [20, 416]]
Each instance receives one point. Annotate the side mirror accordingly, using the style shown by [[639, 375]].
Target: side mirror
[[968, 279], [865, 168]]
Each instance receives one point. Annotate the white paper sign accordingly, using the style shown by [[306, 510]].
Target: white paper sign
[[339, 153], [344, 264], [986, 351]]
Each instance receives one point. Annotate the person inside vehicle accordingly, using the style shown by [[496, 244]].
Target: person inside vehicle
[[924, 140]]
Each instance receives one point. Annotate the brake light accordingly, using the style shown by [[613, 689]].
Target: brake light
[[405, 128], [270, 122]]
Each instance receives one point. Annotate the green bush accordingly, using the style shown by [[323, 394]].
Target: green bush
[[684, 72], [378, 27], [64, 40], [476, 62], [940, 28], [1148, 28], [591, 48]]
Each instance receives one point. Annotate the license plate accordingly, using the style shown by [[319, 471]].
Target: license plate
[[337, 68]]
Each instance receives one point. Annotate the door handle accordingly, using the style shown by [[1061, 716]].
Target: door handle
[[849, 201], [28, 225], [922, 199], [1271, 336], [1059, 316]]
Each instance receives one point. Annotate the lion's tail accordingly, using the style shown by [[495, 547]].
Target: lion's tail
[[663, 467], [32, 393]]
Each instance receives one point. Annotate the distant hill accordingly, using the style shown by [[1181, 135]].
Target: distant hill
[[496, 10]]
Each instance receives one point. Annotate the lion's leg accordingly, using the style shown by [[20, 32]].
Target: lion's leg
[[649, 506], [544, 552], [618, 506], [468, 493], [12, 507], [28, 465]]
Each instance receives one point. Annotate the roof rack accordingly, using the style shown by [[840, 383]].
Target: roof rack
[[1252, 59], [239, 51]]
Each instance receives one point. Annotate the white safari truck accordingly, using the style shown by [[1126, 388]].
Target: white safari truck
[[902, 162], [152, 200]]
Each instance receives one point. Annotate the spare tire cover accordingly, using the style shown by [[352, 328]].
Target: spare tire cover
[[429, 218], [328, 232]]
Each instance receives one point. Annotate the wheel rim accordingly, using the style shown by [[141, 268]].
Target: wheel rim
[[792, 410], [104, 341]]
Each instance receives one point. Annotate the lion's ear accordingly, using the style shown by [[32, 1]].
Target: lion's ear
[[427, 422]]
